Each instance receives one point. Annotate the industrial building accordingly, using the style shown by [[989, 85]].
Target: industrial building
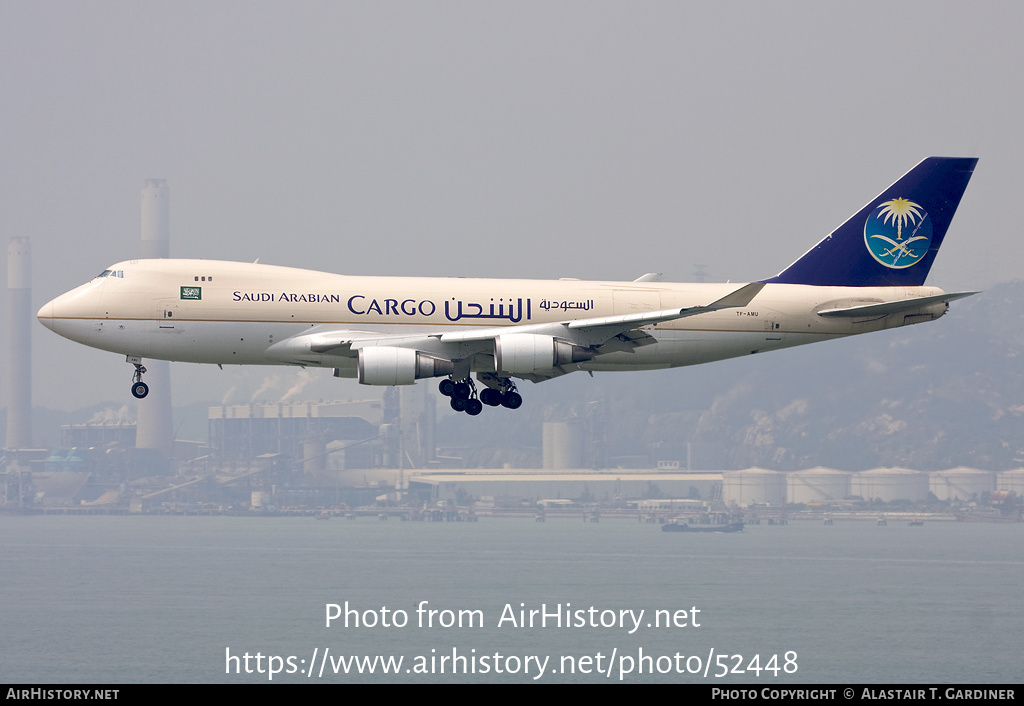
[[578, 486]]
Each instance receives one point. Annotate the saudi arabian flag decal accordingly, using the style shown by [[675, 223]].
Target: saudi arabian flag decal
[[192, 293], [898, 233]]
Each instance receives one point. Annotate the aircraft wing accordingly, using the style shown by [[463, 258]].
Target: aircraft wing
[[893, 307], [596, 330], [590, 336]]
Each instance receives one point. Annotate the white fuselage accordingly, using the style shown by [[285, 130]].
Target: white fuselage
[[205, 311]]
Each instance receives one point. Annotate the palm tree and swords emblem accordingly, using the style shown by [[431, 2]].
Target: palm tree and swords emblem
[[883, 233]]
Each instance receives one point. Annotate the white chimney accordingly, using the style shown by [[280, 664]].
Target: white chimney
[[155, 428], [19, 344]]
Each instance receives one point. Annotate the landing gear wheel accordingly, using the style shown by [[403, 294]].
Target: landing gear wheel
[[512, 400], [139, 388], [463, 395], [491, 398]]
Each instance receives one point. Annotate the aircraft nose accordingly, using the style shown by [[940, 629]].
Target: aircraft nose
[[61, 313], [45, 315]]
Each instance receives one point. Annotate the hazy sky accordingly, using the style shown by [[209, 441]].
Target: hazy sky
[[587, 139]]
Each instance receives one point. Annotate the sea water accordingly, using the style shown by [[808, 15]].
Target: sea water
[[185, 599]]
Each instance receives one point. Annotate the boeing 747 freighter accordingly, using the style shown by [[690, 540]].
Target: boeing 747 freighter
[[867, 275]]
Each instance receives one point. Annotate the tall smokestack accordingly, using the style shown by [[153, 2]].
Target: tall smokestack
[[418, 422], [156, 219], [19, 344], [154, 426]]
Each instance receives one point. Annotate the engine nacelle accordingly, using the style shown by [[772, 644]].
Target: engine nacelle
[[520, 353], [387, 365]]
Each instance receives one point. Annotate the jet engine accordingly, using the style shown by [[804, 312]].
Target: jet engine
[[387, 365], [523, 353]]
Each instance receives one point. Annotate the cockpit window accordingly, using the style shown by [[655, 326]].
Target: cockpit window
[[105, 273], [111, 273]]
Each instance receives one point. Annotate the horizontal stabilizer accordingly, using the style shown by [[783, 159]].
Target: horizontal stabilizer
[[893, 307]]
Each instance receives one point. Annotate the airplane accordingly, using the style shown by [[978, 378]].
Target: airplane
[[867, 275]]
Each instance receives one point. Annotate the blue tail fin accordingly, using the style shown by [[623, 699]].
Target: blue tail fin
[[893, 240]]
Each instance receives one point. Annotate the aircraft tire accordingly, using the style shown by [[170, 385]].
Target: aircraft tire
[[491, 398], [462, 390], [512, 400], [446, 387], [140, 390], [459, 404], [474, 407]]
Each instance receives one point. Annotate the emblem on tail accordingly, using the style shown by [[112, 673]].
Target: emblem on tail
[[884, 236]]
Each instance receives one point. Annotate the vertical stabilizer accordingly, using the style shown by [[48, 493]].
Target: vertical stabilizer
[[893, 240]]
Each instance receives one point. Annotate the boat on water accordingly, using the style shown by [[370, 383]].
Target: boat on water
[[674, 526]]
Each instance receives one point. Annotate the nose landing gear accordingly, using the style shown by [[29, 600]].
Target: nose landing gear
[[139, 388]]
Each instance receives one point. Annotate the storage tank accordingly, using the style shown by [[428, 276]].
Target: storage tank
[[1011, 480], [314, 453], [888, 484], [961, 483], [563, 444], [753, 485], [817, 485]]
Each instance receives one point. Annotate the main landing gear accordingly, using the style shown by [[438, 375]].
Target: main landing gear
[[139, 388], [464, 397]]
